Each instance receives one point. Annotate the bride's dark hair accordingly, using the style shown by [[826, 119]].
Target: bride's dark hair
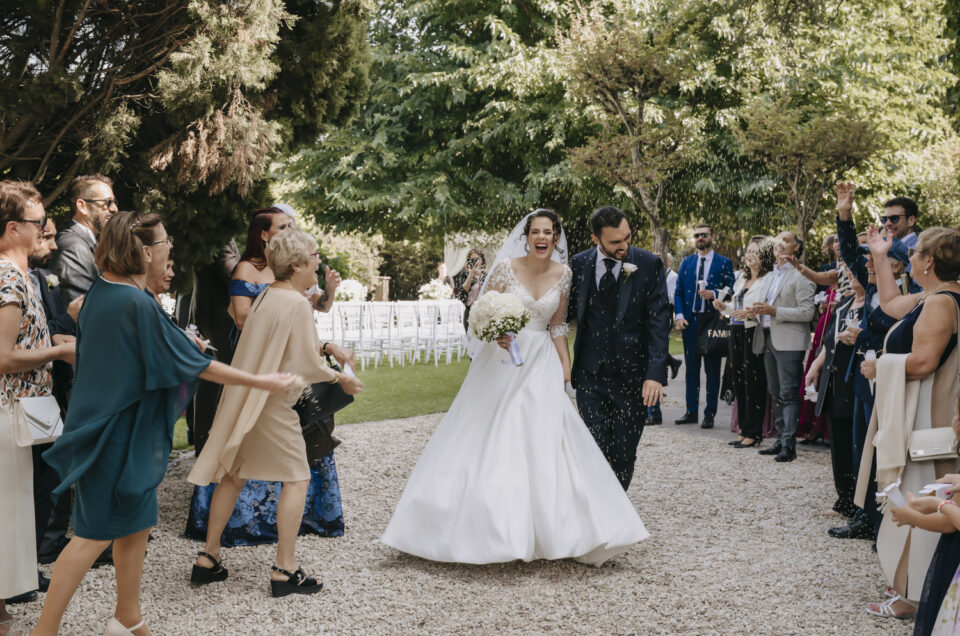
[[547, 214]]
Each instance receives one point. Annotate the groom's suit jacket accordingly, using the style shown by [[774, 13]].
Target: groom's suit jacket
[[642, 316]]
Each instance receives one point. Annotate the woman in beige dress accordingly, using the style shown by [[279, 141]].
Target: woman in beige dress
[[256, 436]]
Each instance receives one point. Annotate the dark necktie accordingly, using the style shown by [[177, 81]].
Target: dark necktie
[[698, 301], [608, 279]]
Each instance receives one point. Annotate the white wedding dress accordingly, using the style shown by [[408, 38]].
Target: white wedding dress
[[512, 472]]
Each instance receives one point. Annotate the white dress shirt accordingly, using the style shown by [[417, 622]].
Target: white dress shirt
[[602, 267], [773, 288], [699, 305], [671, 284]]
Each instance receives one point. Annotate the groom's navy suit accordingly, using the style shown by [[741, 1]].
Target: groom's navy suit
[[621, 341]]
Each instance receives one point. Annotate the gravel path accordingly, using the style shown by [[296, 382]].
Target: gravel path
[[738, 546]]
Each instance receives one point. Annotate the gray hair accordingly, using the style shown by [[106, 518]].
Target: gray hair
[[288, 248]]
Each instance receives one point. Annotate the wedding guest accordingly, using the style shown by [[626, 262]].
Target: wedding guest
[[253, 438], [208, 309], [252, 274], [926, 335], [469, 280], [700, 277], [938, 611], [900, 220], [654, 413], [116, 444], [51, 515], [784, 315], [91, 202], [26, 351], [869, 336], [835, 393], [254, 516], [161, 283], [749, 374]]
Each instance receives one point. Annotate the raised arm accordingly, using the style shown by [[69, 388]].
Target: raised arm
[[892, 302]]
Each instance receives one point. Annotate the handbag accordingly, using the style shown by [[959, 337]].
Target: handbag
[[36, 420], [935, 443], [315, 410], [713, 335]]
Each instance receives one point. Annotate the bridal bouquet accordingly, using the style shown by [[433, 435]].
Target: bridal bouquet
[[495, 315]]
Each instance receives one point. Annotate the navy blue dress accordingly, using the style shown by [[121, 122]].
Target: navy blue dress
[[254, 519]]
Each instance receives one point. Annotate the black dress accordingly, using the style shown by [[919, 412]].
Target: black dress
[[946, 558]]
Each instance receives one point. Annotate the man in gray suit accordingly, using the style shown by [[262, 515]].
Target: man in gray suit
[[92, 203], [785, 317]]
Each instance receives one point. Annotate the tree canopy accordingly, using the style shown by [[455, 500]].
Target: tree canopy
[[184, 103]]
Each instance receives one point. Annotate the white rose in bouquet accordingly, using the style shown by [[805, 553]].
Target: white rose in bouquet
[[435, 290], [495, 315], [351, 290]]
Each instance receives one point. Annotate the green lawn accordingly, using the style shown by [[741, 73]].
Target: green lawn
[[416, 389]]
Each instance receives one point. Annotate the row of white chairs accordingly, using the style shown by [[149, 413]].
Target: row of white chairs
[[401, 331]]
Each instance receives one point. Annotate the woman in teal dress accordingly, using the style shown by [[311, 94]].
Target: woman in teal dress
[[254, 520], [135, 372]]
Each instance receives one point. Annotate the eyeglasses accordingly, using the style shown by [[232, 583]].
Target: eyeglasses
[[168, 241], [40, 223], [893, 218], [106, 202], [701, 234]]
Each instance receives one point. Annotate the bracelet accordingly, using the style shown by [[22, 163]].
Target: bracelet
[[323, 349], [336, 378], [945, 501]]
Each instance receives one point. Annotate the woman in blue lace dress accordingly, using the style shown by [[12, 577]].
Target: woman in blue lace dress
[[254, 520]]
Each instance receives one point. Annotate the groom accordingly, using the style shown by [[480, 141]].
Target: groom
[[619, 300]]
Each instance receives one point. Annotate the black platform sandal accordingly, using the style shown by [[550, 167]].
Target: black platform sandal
[[296, 583], [202, 575]]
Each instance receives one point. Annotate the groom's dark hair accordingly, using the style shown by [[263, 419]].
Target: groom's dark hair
[[607, 216]]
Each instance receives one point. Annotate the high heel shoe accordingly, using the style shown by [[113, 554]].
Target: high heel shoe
[[744, 444], [202, 575], [116, 628], [296, 583]]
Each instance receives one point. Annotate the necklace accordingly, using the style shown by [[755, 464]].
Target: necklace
[[923, 297]]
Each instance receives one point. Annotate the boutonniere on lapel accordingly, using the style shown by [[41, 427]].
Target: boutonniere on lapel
[[52, 281], [628, 269]]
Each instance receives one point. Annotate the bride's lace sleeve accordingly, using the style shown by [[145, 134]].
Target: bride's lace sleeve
[[558, 323], [499, 277]]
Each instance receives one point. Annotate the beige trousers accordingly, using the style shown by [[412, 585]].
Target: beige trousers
[[18, 540]]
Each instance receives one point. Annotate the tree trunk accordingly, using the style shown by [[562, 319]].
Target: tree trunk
[[661, 237]]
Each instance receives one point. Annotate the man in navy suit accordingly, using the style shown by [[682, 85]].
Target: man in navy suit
[[619, 299], [700, 277]]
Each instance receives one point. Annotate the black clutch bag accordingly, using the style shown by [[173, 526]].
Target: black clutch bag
[[315, 409]]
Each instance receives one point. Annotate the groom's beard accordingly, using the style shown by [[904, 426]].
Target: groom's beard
[[619, 256]]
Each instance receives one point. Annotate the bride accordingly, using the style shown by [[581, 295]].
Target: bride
[[512, 471]]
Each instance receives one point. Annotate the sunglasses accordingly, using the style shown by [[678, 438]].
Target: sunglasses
[[106, 202], [40, 223], [701, 234], [893, 218]]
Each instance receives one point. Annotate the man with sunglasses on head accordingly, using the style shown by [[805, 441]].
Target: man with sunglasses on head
[[701, 276], [92, 203]]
